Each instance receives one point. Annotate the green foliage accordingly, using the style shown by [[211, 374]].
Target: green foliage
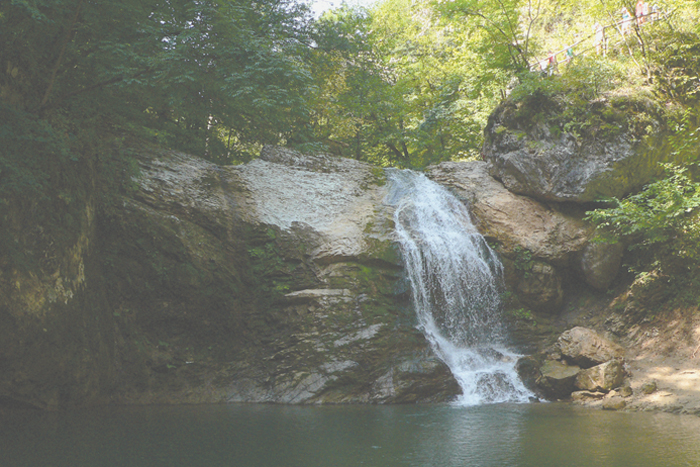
[[82, 82], [214, 78], [662, 220], [523, 261], [402, 85], [522, 314], [675, 67]]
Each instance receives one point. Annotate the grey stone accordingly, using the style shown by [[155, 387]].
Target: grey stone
[[614, 403], [561, 166], [601, 378], [587, 348]]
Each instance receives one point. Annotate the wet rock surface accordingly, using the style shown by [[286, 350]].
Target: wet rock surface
[[273, 281], [541, 244]]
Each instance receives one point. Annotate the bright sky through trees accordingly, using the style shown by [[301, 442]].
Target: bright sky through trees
[[319, 6]]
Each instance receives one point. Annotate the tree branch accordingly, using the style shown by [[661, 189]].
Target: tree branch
[[64, 46]]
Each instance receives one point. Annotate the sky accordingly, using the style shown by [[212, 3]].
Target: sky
[[319, 6]]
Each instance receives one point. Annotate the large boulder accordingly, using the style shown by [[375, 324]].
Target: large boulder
[[587, 348], [529, 148], [601, 378], [580, 361], [557, 379]]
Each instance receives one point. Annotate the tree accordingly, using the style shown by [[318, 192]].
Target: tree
[[402, 85], [184, 72], [82, 80]]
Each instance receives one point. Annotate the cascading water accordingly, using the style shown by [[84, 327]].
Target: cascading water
[[456, 281]]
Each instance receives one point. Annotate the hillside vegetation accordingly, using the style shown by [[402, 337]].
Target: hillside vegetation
[[406, 83]]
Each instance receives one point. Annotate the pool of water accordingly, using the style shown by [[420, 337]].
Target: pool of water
[[503, 435]]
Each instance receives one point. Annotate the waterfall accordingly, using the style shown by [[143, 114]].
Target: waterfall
[[456, 282]]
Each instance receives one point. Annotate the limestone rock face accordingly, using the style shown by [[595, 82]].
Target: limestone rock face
[[535, 160], [539, 242], [601, 378], [550, 234], [273, 281], [535, 241], [587, 348]]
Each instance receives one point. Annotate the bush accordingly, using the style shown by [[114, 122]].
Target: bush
[[662, 220]]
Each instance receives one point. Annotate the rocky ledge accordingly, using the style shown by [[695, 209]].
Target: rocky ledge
[[273, 281]]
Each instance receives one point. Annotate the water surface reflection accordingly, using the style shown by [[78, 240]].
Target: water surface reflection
[[524, 435]]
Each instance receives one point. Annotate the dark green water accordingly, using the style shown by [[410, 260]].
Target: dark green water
[[537, 435]]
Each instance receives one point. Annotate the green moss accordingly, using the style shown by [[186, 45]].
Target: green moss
[[379, 176]]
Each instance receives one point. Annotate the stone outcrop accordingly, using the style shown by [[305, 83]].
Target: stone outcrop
[[601, 378], [516, 222], [539, 243], [539, 158], [273, 281], [581, 365], [586, 348]]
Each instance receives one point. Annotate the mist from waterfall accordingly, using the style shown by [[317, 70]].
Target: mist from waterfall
[[457, 282]]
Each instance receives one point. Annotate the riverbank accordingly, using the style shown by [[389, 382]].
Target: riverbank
[[665, 354]]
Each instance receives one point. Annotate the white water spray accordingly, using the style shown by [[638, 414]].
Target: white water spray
[[456, 281]]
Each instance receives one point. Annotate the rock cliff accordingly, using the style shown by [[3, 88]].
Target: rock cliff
[[544, 246], [274, 281]]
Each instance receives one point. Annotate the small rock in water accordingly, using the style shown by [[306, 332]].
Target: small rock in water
[[583, 396], [614, 403]]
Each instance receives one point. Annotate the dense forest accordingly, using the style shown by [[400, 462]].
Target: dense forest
[[83, 83]]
